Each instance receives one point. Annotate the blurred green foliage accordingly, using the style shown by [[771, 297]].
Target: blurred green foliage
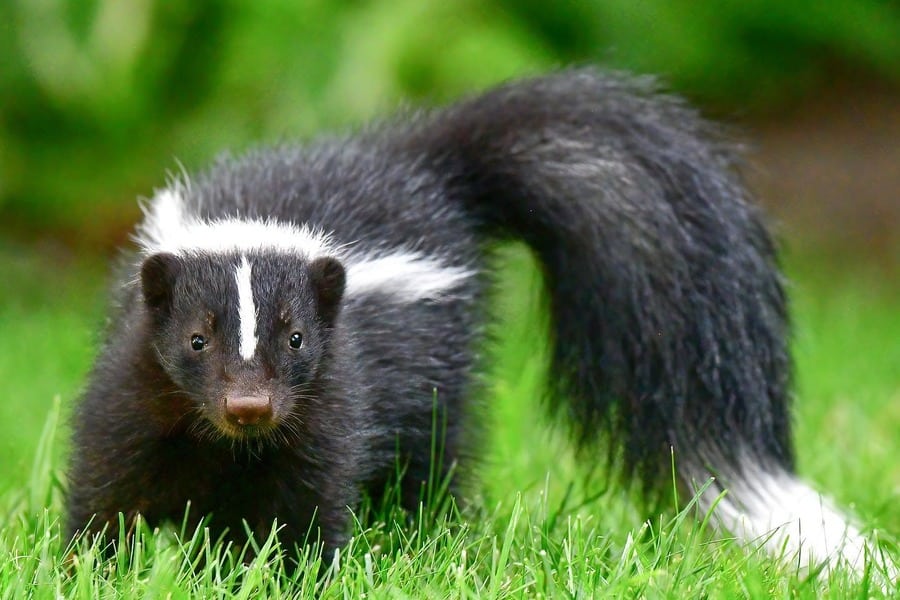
[[98, 98]]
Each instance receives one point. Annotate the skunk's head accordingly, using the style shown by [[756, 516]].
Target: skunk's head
[[244, 336]]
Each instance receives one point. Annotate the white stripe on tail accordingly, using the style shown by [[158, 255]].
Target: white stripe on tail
[[791, 520]]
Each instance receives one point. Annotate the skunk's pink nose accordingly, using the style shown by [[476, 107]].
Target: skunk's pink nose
[[248, 410]]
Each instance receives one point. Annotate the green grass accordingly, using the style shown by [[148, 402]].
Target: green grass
[[536, 526]]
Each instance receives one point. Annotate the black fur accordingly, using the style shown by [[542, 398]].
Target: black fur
[[667, 311]]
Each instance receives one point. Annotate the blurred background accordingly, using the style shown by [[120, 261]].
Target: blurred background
[[100, 99]]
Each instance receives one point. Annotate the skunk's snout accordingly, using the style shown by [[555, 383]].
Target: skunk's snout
[[248, 410]]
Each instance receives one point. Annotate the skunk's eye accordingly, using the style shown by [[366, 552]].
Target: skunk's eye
[[296, 340], [198, 342]]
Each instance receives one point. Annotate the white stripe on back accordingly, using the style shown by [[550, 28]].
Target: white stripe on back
[[407, 276], [246, 309], [167, 228], [402, 275]]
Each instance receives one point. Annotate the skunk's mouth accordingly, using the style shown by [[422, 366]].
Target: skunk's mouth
[[251, 438], [242, 416], [247, 431], [238, 420]]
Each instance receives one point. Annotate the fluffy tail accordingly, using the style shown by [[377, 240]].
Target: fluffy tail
[[667, 307]]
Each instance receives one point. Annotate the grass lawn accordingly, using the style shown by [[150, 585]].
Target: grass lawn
[[536, 526]]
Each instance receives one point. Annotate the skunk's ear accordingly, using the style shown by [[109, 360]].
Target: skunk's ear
[[158, 275], [328, 278]]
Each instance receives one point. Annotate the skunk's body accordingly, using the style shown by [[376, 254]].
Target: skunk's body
[[372, 253]]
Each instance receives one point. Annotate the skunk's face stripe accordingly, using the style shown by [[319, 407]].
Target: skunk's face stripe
[[246, 309], [168, 228], [406, 276]]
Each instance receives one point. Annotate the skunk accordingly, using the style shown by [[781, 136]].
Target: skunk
[[293, 319]]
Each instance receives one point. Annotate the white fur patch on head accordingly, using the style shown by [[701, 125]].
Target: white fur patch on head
[[246, 309], [406, 276], [402, 275], [789, 519], [167, 227]]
